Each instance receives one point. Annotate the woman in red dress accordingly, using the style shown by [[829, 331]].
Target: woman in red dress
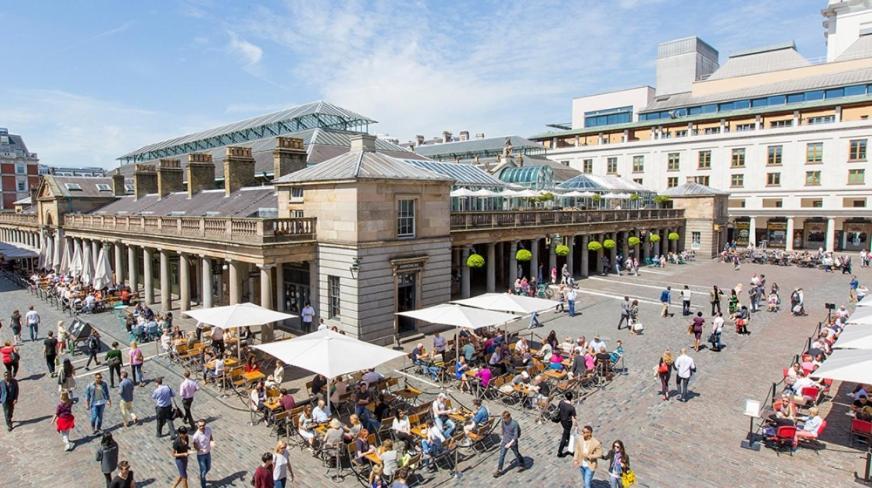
[[64, 419]]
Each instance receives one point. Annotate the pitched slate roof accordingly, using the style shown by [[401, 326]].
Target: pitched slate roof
[[358, 165], [692, 189], [244, 202], [761, 60], [462, 174], [79, 186]]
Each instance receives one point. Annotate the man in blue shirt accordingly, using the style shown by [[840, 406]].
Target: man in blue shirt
[[163, 407], [665, 300], [854, 285], [96, 398], [125, 391]]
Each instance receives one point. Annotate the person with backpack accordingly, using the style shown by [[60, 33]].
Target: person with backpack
[[107, 456], [93, 345], [566, 416], [665, 299], [9, 353]]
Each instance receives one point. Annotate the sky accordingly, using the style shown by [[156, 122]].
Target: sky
[[87, 81]]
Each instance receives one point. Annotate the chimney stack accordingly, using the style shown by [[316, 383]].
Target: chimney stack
[[464, 135], [363, 142], [144, 180], [479, 135], [238, 169], [288, 156], [169, 177], [201, 173], [446, 136], [118, 188], [419, 140]]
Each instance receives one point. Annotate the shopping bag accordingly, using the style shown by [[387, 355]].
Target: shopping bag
[[571, 448], [628, 479]]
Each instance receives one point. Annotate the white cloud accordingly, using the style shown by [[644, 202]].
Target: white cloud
[[250, 54]]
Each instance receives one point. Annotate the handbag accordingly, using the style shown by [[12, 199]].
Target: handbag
[[177, 412], [628, 479], [571, 447]]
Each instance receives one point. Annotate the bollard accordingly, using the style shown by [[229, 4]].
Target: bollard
[[774, 388]]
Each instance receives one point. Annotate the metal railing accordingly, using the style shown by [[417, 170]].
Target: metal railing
[[235, 229], [537, 218]]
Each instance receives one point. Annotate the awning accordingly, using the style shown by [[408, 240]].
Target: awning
[[11, 252], [240, 315], [854, 365], [462, 192], [460, 316], [861, 316], [507, 302], [856, 336]]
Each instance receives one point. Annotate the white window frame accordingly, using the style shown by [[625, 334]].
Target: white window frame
[[406, 225]]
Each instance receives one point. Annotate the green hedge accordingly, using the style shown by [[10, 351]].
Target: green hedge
[[673, 236], [634, 241], [609, 244]]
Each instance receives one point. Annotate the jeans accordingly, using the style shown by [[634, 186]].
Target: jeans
[[279, 483], [136, 373], [515, 450], [34, 331], [564, 438], [571, 308], [586, 476], [615, 482], [205, 463], [92, 356], [682, 388], [8, 412], [685, 307], [97, 416], [716, 306], [624, 318], [446, 426], [50, 362], [716, 342]]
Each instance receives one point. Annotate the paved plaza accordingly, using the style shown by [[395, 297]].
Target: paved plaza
[[670, 443]]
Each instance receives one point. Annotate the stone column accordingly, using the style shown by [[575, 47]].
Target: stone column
[[570, 259], [600, 254], [184, 282], [119, 264], [95, 251], [585, 256], [625, 246], [613, 252], [491, 267], [280, 288], [534, 260], [831, 235], [513, 263], [464, 273], [266, 296], [147, 275], [314, 286], [131, 266], [166, 290], [552, 255], [752, 232], [235, 288], [207, 282]]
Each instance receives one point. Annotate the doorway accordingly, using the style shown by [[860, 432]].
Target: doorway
[[406, 299]]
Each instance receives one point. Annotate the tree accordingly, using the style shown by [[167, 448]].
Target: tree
[[662, 200]]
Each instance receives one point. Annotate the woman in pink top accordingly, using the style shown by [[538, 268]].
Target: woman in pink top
[[589, 361], [484, 376], [556, 361], [136, 360]]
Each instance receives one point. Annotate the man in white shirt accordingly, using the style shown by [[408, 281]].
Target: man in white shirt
[[307, 315], [685, 367], [596, 344], [717, 329], [571, 296], [32, 319], [202, 441], [439, 343], [685, 301], [320, 414]]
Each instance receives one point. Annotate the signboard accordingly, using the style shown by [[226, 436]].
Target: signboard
[[742, 232], [776, 234]]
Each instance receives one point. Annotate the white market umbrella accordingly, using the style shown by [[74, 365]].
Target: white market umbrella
[[507, 302], [462, 192], [856, 336], [574, 194], [484, 193], [861, 316], [612, 196], [65, 260], [853, 365], [41, 261], [526, 194], [49, 253], [329, 353], [103, 272], [239, 315], [76, 263], [87, 265], [460, 316]]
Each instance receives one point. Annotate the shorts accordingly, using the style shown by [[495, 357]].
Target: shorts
[[182, 466]]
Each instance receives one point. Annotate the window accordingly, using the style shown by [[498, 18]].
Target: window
[[333, 310], [704, 160], [857, 150], [773, 156], [773, 179], [587, 166], [20, 169], [406, 218], [73, 186], [128, 188], [711, 130], [673, 162], [702, 180], [812, 178], [612, 165], [856, 176], [695, 240], [775, 124], [824, 119], [737, 180], [738, 160], [619, 115], [297, 192], [814, 152], [297, 214], [681, 133], [638, 164], [672, 182], [103, 187], [744, 127], [22, 185], [638, 181]]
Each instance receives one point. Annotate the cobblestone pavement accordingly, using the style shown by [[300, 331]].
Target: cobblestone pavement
[[694, 444]]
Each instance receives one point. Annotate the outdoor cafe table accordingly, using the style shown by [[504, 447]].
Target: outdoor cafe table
[[461, 415], [554, 374], [228, 363], [253, 376], [420, 430], [373, 458]]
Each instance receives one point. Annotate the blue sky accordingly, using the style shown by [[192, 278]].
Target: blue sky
[[85, 82]]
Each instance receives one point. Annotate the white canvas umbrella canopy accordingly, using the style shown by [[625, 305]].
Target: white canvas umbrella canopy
[[854, 365], [527, 194], [41, 261], [865, 302], [87, 265], [65, 260], [240, 315], [861, 316], [462, 192], [103, 272], [49, 253], [506, 302], [856, 336], [460, 316], [76, 263], [484, 193]]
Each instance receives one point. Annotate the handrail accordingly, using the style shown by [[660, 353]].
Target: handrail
[[18, 218], [537, 218]]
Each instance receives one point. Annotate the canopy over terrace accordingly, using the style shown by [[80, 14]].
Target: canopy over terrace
[[12, 251], [854, 365], [857, 336], [460, 316], [505, 302], [239, 315]]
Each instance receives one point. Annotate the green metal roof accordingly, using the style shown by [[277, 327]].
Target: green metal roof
[[535, 177]]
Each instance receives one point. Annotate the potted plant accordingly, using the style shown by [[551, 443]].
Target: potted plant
[[635, 197], [594, 246], [654, 237], [661, 201], [523, 255], [561, 250], [609, 244], [673, 236], [475, 260], [634, 241]]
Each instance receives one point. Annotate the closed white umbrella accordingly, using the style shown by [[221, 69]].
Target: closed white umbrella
[[854, 365], [76, 263], [462, 192], [507, 302], [103, 271], [87, 265], [239, 315], [460, 316], [65, 260], [40, 263]]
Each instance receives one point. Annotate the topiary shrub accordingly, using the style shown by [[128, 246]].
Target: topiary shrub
[[673, 236], [609, 244], [561, 250], [475, 261], [634, 241], [654, 237], [594, 246], [523, 255]]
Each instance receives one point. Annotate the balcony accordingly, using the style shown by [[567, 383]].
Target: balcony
[[223, 229], [472, 221], [18, 219]]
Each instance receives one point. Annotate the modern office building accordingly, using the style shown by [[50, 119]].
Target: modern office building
[[787, 137], [19, 170]]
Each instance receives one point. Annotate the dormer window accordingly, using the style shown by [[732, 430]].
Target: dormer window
[[73, 186], [103, 187]]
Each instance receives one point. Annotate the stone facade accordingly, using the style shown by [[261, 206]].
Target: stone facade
[[705, 228]]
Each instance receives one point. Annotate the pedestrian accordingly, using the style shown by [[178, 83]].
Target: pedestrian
[[665, 301], [263, 475], [685, 301], [554, 274], [50, 352], [570, 299], [93, 346], [32, 319], [696, 329], [664, 372], [854, 285], [587, 451], [135, 359], [534, 320], [717, 330], [715, 299], [67, 379], [685, 368], [567, 415], [510, 436], [163, 407], [282, 470], [625, 313], [181, 449], [114, 360], [203, 443], [307, 315], [15, 324], [619, 464], [10, 356], [64, 419], [125, 391], [187, 390], [96, 399], [124, 478], [8, 397], [107, 456]]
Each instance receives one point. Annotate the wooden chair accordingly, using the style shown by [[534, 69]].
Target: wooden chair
[[281, 423]]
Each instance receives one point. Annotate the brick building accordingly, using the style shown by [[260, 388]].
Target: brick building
[[19, 169]]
